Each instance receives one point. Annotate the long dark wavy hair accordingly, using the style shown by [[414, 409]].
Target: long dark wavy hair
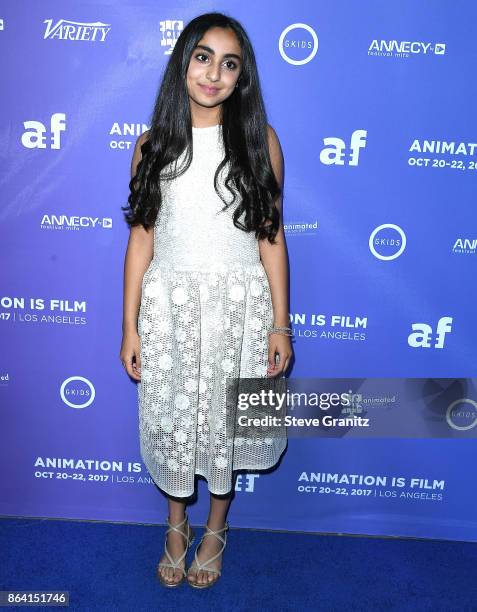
[[244, 131]]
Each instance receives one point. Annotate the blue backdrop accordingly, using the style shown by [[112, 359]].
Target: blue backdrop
[[373, 103]]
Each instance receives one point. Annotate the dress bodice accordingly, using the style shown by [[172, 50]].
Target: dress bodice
[[191, 230]]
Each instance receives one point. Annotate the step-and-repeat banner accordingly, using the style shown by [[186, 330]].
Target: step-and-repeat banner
[[374, 106]]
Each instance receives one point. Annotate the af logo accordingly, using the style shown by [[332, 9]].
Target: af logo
[[335, 151], [37, 133], [422, 334]]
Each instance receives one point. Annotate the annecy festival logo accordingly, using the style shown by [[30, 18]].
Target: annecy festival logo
[[387, 241], [298, 44], [170, 29], [64, 29], [404, 48], [465, 246], [77, 392], [74, 222]]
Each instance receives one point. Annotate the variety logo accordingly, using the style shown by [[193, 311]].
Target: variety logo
[[36, 136], [404, 48], [422, 334], [298, 44], [387, 241], [77, 392], [170, 30], [74, 223], [334, 154], [64, 29], [465, 246]]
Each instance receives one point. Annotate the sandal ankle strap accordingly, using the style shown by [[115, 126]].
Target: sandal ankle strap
[[202, 566], [215, 532], [175, 563], [176, 527]]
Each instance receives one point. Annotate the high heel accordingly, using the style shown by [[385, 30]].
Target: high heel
[[196, 566], [190, 537]]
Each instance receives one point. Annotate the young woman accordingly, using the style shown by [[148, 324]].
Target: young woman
[[205, 279]]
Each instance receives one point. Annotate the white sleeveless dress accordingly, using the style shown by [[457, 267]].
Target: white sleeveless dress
[[204, 315]]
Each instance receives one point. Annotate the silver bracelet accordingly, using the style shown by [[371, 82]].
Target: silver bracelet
[[286, 331]]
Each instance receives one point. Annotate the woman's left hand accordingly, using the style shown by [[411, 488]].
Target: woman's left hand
[[281, 344]]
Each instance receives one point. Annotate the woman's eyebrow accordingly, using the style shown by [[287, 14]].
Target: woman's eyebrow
[[206, 48]]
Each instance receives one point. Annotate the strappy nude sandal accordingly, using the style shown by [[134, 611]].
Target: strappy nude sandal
[[190, 537], [196, 566]]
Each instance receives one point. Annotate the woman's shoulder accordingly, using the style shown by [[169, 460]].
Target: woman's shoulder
[[273, 141], [271, 131], [139, 142], [137, 154], [143, 137]]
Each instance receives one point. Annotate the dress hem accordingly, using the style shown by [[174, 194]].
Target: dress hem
[[197, 472]]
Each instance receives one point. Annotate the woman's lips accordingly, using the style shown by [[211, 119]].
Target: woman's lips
[[209, 90]]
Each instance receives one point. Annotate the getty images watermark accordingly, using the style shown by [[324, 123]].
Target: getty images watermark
[[352, 407]]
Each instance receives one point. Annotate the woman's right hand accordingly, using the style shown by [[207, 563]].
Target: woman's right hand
[[130, 349]]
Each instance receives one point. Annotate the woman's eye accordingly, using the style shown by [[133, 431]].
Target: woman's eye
[[232, 65]]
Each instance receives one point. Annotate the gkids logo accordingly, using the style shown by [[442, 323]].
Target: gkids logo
[[36, 136], [387, 241], [77, 392], [422, 334], [336, 150], [298, 44], [170, 29], [462, 414]]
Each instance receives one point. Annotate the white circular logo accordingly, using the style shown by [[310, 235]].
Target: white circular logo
[[450, 418], [374, 233], [75, 391], [294, 45]]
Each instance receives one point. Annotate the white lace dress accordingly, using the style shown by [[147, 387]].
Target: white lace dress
[[204, 315]]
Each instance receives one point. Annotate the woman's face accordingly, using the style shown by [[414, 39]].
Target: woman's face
[[214, 68]]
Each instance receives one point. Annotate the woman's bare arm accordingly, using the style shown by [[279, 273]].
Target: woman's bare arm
[[275, 261], [274, 256], [139, 253]]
